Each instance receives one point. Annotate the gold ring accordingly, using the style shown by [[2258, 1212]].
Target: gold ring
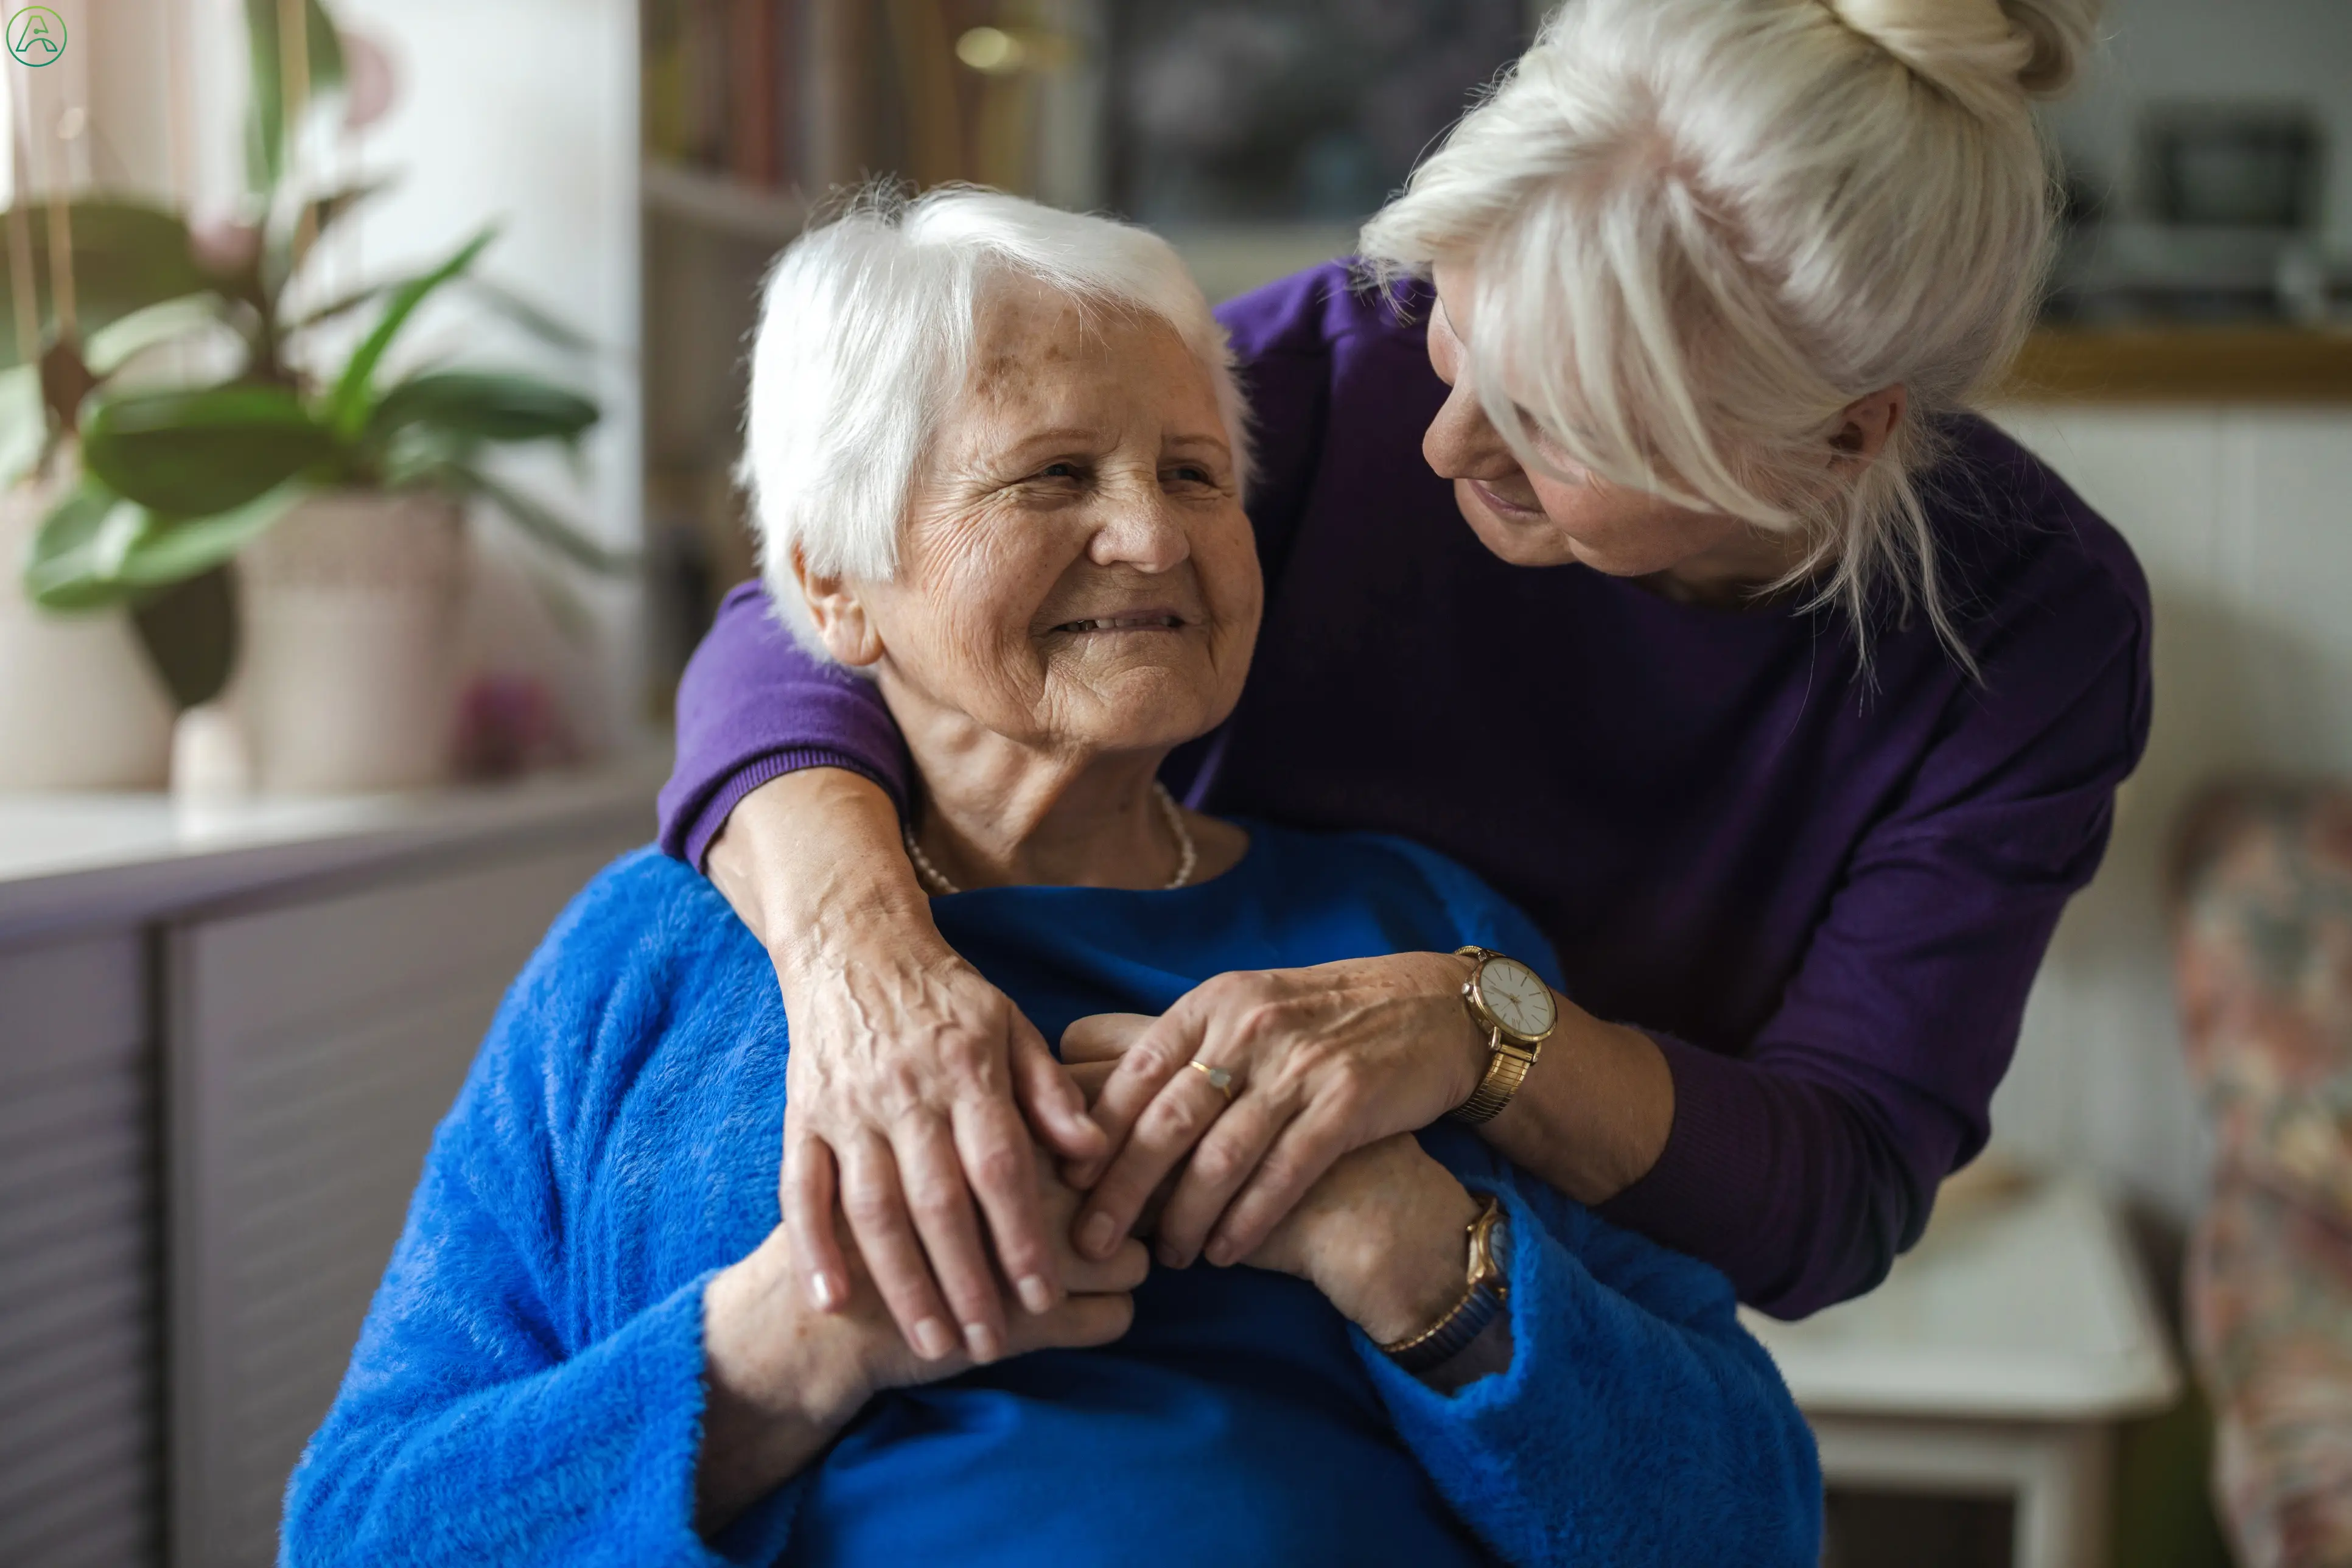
[[1219, 1076]]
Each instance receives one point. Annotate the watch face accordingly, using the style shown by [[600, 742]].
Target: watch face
[[1519, 1000]]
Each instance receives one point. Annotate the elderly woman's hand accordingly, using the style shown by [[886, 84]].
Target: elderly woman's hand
[[914, 1085], [783, 1378], [1324, 1061], [1384, 1235]]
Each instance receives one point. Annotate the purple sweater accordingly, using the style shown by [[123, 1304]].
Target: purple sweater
[[1824, 897]]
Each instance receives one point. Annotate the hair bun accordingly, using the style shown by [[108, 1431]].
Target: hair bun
[[1979, 51]]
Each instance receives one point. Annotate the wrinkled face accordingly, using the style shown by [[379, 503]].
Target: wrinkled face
[[1534, 520], [1076, 574]]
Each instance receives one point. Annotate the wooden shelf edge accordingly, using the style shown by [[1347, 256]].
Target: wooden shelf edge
[[2183, 365], [713, 201]]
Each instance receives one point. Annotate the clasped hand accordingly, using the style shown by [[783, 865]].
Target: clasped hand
[[914, 1088]]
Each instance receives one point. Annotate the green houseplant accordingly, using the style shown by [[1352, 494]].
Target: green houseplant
[[176, 483]]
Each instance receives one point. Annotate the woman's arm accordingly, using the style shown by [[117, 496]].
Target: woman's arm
[[1328, 1059], [753, 706], [1629, 1419], [907, 1071]]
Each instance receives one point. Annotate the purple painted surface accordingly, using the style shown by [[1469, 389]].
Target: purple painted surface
[[1825, 902]]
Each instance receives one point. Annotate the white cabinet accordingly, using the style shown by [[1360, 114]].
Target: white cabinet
[[215, 1095], [81, 1405]]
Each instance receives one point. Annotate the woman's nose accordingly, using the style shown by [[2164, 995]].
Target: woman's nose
[[1139, 533], [1462, 443]]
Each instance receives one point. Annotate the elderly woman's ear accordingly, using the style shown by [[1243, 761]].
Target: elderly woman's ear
[[838, 614]]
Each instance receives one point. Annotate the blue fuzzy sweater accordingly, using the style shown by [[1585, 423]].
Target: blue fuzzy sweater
[[528, 1386]]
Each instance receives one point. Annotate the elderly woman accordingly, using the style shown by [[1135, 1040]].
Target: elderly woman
[[1787, 695], [590, 1347]]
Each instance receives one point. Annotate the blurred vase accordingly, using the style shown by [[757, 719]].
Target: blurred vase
[[80, 708], [349, 608]]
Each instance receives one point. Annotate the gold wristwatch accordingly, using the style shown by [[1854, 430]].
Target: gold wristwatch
[[1484, 1291], [1516, 1011]]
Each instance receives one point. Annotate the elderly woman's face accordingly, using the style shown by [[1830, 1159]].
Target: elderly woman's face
[[1077, 571]]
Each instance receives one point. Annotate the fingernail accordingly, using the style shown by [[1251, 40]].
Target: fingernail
[[1099, 1236], [821, 1291], [1220, 1253], [1035, 1294], [981, 1340], [1168, 1254], [932, 1341]]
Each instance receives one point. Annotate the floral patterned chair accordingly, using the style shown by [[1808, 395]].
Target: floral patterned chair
[[2265, 953]]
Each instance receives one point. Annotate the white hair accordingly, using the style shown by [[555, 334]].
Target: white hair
[[1698, 229], [865, 336]]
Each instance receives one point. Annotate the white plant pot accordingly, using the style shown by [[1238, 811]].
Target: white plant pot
[[80, 708], [347, 678]]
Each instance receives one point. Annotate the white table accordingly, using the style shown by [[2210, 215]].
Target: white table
[[1997, 1358]]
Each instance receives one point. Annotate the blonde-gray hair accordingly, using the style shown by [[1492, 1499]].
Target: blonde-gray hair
[[1698, 230]]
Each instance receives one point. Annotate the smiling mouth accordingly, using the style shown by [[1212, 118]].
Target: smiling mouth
[[1148, 622], [1500, 503]]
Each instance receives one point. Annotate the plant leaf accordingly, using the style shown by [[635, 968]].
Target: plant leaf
[[530, 317], [170, 549], [343, 305], [474, 405], [541, 521], [189, 633], [190, 454], [76, 555], [266, 130], [111, 347], [127, 256], [324, 211], [347, 406]]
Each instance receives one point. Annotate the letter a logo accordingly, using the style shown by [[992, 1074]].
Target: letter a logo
[[36, 36]]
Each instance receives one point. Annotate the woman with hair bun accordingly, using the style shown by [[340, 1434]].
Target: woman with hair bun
[[1784, 693]]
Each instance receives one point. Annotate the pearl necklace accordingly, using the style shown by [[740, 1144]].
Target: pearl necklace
[[936, 879]]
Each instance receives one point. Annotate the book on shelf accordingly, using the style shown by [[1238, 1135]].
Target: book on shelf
[[777, 94], [723, 87]]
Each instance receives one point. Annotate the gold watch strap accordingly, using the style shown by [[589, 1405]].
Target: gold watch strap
[[1506, 1068], [1486, 1289]]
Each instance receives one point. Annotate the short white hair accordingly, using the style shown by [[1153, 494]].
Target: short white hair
[[1701, 228], [865, 336]]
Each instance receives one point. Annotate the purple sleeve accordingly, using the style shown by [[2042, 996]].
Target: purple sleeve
[[753, 706], [1802, 1166]]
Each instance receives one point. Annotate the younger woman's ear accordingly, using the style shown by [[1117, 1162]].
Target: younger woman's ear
[[838, 614], [1866, 424]]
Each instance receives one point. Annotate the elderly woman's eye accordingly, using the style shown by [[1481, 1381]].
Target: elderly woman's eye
[[1060, 471], [1192, 474]]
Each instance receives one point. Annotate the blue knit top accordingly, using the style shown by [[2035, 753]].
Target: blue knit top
[[528, 1386]]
